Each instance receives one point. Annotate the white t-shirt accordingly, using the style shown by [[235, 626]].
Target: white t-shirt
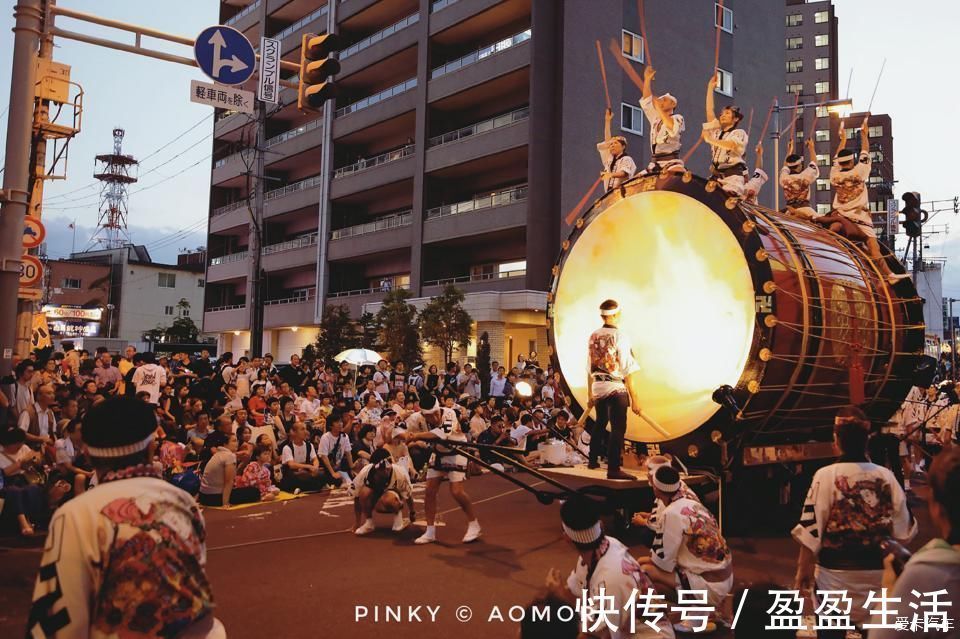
[[44, 423], [214, 473], [65, 451], [609, 352], [382, 382], [497, 384], [327, 443], [519, 434], [292, 452], [449, 428], [399, 480], [9, 460], [309, 407], [150, 378]]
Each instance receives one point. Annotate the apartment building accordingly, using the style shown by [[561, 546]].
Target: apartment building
[[463, 133]]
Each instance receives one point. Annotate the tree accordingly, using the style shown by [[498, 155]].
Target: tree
[[369, 329], [398, 327], [182, 331], [444, 322], [483, 363], [337, 332]]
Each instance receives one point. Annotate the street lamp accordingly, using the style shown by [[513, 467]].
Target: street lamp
[[110, 308], [842, 108]]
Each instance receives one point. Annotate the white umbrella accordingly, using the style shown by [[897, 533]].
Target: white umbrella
[[359, 357]]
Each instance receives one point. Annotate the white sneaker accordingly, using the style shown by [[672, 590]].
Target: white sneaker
[[473, 532], [425, 538], [365, 529], [399, 522]]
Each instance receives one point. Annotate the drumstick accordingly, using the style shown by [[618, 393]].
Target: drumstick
[[603, 75], [716, 50], [767, 121], [813, 129], [653, 424], [692, 149], [627, 68], [572, 215], [793, 124], [750, 124], [876, 86], [643, 33]]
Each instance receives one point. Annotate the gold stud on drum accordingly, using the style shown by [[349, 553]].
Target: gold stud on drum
[[765, 354], [749, 226], [555, 270], [550, 351], [770, 320], [769, 287], [731, 203], [549, 296], [580, 223], [716, 436], [565, 245], [687, 177], [753, 386], [693, 451], [762, 255], [711, 186]]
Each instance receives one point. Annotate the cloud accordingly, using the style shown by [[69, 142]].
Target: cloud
[[163, 243]]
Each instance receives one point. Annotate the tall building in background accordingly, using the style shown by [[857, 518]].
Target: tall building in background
[[465, 130]]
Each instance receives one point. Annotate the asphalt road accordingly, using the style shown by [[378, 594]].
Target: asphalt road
[[295, 569]]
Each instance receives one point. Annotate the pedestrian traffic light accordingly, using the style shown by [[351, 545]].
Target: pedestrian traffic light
[[316, 66], [913, 215]]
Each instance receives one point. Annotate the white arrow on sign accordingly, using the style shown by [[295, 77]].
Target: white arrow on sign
[[235, 63]]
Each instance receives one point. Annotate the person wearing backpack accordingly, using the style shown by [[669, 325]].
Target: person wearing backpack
[[301, 465]]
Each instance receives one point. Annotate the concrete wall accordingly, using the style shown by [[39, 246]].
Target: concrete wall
[[143, 302]]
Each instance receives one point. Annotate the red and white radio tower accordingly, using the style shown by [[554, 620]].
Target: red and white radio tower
[[115, 173]]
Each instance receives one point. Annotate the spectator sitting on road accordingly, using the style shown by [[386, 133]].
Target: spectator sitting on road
[[301, 465], [217, 483], [258, 474]]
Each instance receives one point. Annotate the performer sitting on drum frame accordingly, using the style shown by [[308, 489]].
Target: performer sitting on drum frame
[[796, 180], [729, 144], [618, 167], [752, 188], [665, 128], [850, 216]]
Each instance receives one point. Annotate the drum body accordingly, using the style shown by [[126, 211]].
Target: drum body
[[714, 292]]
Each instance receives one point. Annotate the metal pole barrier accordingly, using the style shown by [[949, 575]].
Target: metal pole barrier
[[28, 17]]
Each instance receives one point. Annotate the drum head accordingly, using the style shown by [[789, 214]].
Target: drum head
[[687, 300]]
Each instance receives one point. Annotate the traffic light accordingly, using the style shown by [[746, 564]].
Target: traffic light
[[316, 66], [913, 215]]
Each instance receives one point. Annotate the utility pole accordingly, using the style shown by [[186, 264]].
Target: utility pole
[[257, 285], [28, 23]]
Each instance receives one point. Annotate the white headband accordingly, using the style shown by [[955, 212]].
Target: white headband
[[610, 311], [587, 536], [430, 411], [667, 488], [121, 451]]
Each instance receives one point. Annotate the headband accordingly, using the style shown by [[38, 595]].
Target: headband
[[795, 163], [610, 311], [121, 451], [667, 488], [431, 411], [667, 96], [586, 536]]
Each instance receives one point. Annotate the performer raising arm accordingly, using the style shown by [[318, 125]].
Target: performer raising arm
[[796, 180], [729, 144], [752, 188], [618, 167], [665, 127]]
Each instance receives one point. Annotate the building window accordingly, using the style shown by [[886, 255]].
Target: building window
[[821, 40], [823, 160], [723, 18], [631, 118], [507, 269], [794, 19], [184, 312], [875, 180], [876, 156], [875, 132], [822, 87], [168, 310], [70, 282], [724, 82], [823, 112], [200, 283], [822, 63], [632, 45], [795, 87], [821, 16], [823, 209], [794, 66], [167, 280], [823, 185], [823, 135], [795, 42]]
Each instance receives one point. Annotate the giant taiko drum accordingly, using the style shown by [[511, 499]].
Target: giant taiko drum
[[714, 292]]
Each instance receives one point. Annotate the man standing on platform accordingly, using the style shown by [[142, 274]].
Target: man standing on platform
[[610, 364]]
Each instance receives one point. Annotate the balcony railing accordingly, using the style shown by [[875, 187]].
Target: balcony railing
[[302, 22], [395, 221], [228, 207], [465, 279], [480, 54], [480, 127], [232, 257], [441, 4], [232, 307], [231, 157], [368, 163], [299, 298], [291, 245], [499, 198], [292, 133], [367, 291], [245, 11], [379, 35], [386, 94], [302, 185]]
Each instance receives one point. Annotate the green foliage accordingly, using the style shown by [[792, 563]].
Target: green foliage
[[337, 333], [397, 320], [444, 322], [182, 331]]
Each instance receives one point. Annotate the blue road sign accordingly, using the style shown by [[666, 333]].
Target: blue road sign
[[225, 55]]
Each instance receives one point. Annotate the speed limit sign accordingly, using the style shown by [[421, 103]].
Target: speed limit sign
[[31, 271]]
